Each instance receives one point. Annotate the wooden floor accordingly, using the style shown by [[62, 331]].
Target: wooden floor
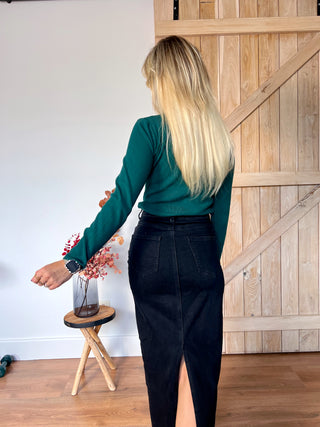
[[275, 390]]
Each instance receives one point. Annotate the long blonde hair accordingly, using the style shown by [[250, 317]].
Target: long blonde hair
[[182, 94]]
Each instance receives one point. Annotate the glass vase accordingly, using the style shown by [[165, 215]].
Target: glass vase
[[85, 296]]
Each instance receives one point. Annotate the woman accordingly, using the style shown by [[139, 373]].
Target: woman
[[184, 157]]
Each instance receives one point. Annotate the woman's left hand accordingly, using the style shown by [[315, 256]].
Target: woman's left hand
[[52, 275]]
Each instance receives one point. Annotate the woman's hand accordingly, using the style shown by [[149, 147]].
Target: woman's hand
[[52, 275]]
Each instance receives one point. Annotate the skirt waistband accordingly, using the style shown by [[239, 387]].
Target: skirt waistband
[[178, 219]]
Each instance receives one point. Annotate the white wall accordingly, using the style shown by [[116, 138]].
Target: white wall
[[70, 91]]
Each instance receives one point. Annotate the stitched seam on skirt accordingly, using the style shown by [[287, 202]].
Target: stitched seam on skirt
[[178, 287]]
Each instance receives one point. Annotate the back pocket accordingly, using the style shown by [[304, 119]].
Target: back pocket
[[144, 254], [204, 252]]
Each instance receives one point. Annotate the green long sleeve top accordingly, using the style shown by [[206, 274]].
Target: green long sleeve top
[[147, 162]]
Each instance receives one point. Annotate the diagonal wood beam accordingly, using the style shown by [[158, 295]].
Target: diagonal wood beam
[[271, 85], [272, 234]]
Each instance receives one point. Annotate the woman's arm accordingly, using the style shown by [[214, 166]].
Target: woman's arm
[[136, 167], [221, 211]]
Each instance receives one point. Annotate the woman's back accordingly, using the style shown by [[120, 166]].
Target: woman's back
[[166, 193]]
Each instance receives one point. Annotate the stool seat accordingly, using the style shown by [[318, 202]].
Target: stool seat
[[90, 327], [104, 315]]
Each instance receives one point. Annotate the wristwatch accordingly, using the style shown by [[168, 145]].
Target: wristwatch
[[72, 266]]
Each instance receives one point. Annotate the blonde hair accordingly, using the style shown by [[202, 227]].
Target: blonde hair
[[182, 94]]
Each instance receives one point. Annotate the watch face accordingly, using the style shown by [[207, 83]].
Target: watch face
[[72, 266]]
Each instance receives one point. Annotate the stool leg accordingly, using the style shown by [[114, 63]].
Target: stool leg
[[104, 352], [96, 352], [84, 357]]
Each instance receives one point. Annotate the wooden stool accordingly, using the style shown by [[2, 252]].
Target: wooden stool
[[90, 327]]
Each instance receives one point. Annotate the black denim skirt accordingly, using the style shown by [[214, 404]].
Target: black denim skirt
[[177, 284]]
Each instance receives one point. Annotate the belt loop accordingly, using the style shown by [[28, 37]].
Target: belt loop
[[140, 214]]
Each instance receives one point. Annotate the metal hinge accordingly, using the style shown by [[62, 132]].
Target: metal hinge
[[175, 10]]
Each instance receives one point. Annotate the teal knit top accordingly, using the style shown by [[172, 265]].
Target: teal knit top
[[148, 162]]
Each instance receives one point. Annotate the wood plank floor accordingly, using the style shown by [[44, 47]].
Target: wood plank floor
[[255, 390]]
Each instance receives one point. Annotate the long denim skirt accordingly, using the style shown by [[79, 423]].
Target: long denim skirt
[[177, 284]]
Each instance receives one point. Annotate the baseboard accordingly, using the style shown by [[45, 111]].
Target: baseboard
[[66, 347]]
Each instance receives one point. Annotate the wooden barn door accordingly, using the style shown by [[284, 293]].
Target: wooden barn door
[[262, 56]]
